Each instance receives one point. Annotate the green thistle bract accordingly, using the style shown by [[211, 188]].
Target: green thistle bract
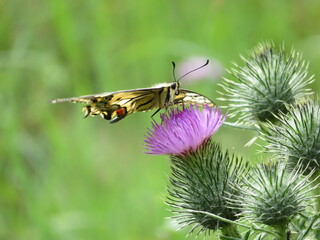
[[269, 80], [297, 137], [202, 181]]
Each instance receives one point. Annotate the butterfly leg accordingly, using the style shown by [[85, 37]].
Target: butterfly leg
[[155, 112], [86, 110]]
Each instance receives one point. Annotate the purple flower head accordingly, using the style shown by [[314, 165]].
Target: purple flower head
[[183, 131]]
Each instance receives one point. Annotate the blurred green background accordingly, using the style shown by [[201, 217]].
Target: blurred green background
[[63, 177]]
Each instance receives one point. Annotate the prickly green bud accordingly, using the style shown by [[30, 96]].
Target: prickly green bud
[[273, 196], [202, 181], [297, 136], [268, 81]]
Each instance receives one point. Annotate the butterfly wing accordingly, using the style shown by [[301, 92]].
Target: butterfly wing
[[115, 106], [187, 97]]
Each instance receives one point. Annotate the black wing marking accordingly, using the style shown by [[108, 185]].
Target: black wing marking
[[115, 106]]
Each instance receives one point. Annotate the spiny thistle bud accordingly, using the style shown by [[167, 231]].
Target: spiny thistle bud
[[203, 181], [297, 136], [273, 196], [269, 80]]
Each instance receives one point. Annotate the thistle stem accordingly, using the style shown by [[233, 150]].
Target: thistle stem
[[317, 193], [282, 231], [235, 125], [230, 230], [251, 227]]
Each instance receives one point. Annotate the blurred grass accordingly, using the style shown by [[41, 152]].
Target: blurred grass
[[63, 177]]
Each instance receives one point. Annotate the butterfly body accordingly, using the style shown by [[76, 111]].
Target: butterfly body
[[115, 106]]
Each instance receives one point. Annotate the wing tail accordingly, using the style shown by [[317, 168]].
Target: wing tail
[[60, 100], [73, 100]]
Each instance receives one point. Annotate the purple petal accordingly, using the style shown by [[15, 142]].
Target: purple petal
[[182, 131]]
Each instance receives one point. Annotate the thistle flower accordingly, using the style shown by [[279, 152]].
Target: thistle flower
[[203, 181], [202, 176], [273, 196], [269, 80], [297, 137], [182, 131]]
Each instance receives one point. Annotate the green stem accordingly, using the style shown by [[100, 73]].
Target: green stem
[[235, 125], [230, 230], [251, 227], [281, 230], [317, 193]]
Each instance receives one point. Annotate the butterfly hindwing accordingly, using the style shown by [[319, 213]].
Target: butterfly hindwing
[[115, 106]]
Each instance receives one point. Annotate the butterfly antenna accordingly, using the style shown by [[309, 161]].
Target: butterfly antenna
[[173, 71], [207, 62]]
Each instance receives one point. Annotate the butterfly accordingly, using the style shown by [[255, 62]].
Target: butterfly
[[115, 106]]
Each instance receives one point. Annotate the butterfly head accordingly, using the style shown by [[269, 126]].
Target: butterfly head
[[175, 88]]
